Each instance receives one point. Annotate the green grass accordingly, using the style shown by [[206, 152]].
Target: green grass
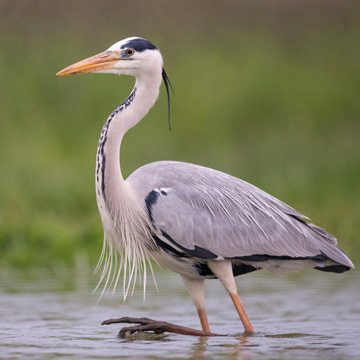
[[270, 102]]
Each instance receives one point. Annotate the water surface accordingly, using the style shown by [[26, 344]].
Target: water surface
[[309, 316]]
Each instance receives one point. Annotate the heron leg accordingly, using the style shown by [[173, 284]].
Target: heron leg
[[241, 311], [223, 271], [196, 287]]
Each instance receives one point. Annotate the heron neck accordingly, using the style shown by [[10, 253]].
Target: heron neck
[[109, 180]]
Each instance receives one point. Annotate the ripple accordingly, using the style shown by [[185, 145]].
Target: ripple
[[296, 318]]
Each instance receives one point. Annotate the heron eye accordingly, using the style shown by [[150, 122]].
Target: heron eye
[[129, 52]]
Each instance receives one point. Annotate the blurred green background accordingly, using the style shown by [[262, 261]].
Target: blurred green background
[[267, 91]]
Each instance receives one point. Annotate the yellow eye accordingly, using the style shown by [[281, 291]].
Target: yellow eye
[[129, 52]]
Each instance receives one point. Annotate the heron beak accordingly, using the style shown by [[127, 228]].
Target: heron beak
[[104, 60]]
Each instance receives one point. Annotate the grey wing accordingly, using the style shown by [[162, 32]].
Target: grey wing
[[209, 214]]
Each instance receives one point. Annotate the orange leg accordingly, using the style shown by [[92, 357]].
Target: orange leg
[[195, 288], [241, 311], [203, 319], [223, 271]]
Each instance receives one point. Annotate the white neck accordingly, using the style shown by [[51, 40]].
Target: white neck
[[123, 211], [110, 185]]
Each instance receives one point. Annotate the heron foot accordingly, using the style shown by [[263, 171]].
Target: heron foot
[[158, 327]]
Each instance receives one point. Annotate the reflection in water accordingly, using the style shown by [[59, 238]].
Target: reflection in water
[[296, 317], [199, 348], [202, 350]]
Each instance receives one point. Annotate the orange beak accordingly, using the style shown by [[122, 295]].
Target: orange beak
[[102, 61]]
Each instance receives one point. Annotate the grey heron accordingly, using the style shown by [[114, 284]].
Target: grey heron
[[198, 222]]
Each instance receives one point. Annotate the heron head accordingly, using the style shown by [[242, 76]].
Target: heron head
[[132, 56]]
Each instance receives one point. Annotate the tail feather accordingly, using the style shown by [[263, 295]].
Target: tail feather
[[338, 269], [335, 259], [323, 233], [336, 256]]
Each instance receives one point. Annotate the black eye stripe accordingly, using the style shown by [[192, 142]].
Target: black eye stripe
[[139, 45]]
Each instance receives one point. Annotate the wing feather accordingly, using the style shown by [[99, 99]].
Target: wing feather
[[201, 208]]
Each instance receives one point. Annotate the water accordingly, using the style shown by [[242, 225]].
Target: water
[[310, 316]]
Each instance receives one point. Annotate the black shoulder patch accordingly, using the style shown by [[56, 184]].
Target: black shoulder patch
[[150, 201], [139, 45]]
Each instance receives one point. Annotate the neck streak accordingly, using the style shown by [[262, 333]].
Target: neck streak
[[110, 185], [101, 156]]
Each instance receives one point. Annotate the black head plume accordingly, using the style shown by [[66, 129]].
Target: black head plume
[[167, 83]]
